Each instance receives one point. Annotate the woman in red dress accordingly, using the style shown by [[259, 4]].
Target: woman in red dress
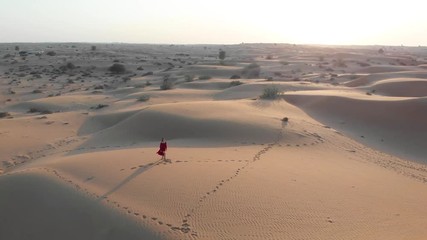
[[162, 150]]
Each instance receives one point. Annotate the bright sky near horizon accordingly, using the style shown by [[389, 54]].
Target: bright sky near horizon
[[361, 22]]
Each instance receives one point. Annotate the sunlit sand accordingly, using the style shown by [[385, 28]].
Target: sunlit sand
[[78, 142]]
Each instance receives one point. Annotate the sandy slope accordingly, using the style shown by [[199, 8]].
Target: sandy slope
[[36, 206], [395, 126], [235, 170]]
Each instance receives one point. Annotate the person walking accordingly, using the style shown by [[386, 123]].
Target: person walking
[[163, 147]]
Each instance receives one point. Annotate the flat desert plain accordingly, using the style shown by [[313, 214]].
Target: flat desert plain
[[270, 141]]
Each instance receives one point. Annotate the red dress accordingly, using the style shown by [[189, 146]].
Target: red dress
[[162, 150]]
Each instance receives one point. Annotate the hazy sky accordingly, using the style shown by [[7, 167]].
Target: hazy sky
[[221, 21]]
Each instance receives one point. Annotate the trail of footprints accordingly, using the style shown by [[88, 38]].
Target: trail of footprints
[[185, 226], [128, 210], [168, 161], [49, 149]]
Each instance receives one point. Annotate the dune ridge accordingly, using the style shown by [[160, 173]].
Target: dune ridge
[[337, 153]]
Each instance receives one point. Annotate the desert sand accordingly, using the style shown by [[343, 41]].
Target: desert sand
[[78, 142]]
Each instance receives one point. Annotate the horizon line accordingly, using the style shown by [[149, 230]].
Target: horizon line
[[230, 44]]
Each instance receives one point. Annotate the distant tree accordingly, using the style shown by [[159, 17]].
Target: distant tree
[[251, 71], [51, 53], [166, 85], [16, 48], [117, 68], [93, 48], [221, 55], [381, 51]]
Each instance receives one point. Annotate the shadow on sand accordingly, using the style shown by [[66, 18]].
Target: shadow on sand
[[140, 170]]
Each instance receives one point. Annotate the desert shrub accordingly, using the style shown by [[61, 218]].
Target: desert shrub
[[93, 48], [285, 119], [189, 78], [204, 77], [363, 64], [68, 66], [51, 53], [235, 77], [99, 106], [381, 51], [221, 54], [340, 63], [117, 68], [269, 57], [147, 74], [166, 85], [271, 92], [4, 114], [140, 68], [252, 70], [144, 98], [37, 91], [284, 63], [235, 83], [41, 111], [147, 83], [16, 48]]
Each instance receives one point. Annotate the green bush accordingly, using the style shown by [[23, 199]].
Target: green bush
[[270, 93], [144, 98], [117, 68], [51, 53], [235, 83], [204, 77], [252, 71], [166, 85], [4, 114], [189, 78]]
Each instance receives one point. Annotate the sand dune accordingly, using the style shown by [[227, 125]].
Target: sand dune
[[61, 212], [339, 154], [372, 78], [218, 123], [401, 87], [394, 126], [60, 103]]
